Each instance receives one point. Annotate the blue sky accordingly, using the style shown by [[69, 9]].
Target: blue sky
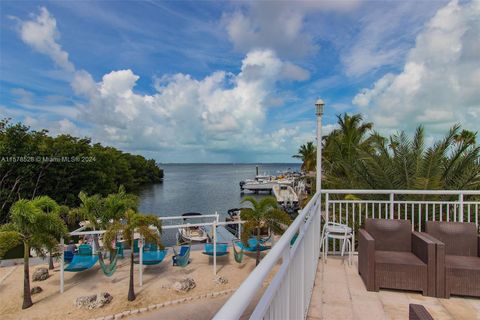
[[236, 81]]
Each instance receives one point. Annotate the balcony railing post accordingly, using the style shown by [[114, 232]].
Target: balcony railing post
[[323, 243], [286, 259], [460, 209], [392, 204], [62, 262]]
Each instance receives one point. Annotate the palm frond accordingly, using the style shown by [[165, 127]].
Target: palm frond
[[9, 240]]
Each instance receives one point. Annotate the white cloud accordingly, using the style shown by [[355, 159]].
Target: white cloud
[[384, 35], [24, 96], [440, 79], [41, 34], [222, 111], [277, 25]]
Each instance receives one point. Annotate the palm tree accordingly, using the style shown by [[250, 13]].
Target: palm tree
[[48, 206], [263, 214], [134, 222], [37, 224], [341, 149], [356, 157], [308, 154], [405, 163], [102, 212]]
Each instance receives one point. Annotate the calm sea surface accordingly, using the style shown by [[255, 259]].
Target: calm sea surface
[[204, 188]]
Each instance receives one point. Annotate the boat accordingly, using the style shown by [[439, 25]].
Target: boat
[[285, 194], [192, 234], [266, 183], [232, 215], [286, 197], [260, 183]]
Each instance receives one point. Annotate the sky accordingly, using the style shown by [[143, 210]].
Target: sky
[[236, 81]]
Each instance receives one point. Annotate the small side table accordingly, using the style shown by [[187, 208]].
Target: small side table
[[342, 232]]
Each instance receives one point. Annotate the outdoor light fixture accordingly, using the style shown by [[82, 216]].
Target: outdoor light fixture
[[319, 106]]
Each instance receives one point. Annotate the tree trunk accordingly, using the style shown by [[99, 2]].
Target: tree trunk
[[97, 247], [131, 289], [258, 247], [50, 261], [27, 297]]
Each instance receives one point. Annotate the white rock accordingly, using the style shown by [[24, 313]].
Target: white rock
[[184, 285]]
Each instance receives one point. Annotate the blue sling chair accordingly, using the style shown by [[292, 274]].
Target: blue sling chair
[[83, 260], [150, 258], [67, 256], [222, 249], [119, 247], [181, 259], [151, 255], [253, 245]]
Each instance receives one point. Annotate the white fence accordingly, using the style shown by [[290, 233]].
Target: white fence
[[288, 295], [351, 207]]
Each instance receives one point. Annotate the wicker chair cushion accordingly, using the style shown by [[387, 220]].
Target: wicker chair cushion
[[390, 235], [462, 262], [460, 238], [398, 258], [400, 270]]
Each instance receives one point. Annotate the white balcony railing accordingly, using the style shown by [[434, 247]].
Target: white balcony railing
[[288, 295], [289, 292], [351, 207]]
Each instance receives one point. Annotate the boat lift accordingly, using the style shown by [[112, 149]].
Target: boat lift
[[214, 224]]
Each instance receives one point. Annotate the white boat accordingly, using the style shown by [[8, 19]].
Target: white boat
[[285, 195], [193, 233], [261, 183]]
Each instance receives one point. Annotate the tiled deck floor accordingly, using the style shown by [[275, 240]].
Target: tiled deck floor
[[339, 293]]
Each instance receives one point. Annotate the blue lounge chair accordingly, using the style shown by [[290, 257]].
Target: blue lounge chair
[[222, 249], [85, 250], [181, 259], [67, 256], [253, 245], [153, 257], [83, 260], [81, 263], [119, 247], [146, 246]]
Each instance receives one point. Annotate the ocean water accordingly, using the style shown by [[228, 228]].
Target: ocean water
[[204, 188]]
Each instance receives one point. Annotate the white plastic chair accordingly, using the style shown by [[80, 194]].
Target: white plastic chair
[[333, 230]]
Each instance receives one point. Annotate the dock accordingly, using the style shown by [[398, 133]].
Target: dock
[[223, 235]]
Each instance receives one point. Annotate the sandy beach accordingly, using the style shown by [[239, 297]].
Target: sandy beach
[[157, 283]]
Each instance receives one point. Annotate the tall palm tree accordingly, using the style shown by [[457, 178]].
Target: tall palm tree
[[263, 214], [48, 206], [308, 154], [37, 224], [341, 149], [102, 212], [134, 222]]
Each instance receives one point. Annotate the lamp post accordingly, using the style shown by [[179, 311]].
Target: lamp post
[[319, 112]]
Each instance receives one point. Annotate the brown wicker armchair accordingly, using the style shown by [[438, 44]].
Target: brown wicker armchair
[[458, 258], [391, 256]]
